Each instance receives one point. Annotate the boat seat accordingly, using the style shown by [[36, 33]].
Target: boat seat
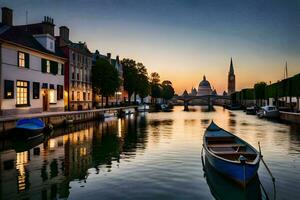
[[225, 145], [233, 153]]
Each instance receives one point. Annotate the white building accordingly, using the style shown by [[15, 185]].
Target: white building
[[204, 87], [32, 69]]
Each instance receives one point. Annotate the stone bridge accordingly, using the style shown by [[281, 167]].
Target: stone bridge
[[210, 99]]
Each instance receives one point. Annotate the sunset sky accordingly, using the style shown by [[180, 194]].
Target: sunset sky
[[185, 39]]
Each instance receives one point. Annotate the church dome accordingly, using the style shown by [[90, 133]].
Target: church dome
[[204, 83], [204, 87]]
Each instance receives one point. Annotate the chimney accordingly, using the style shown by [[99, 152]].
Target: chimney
[[7, 16], [48, 25], [64, 33]]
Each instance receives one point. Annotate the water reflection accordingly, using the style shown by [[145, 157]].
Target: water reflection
[[224, 189], [43, 168], [151, 156]]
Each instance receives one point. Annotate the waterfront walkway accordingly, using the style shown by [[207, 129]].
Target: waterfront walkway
[[58, 118], [49, 114]]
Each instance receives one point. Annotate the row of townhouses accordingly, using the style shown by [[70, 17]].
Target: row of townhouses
[[42, 72]]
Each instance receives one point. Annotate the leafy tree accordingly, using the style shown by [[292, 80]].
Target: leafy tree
[[259, 91], [167, 90], [143, 85], [130, 73], [155, 78], [105, 79], [156, 89]]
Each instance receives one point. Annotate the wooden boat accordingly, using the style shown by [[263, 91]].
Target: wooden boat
[[230, 155], [30, 127]]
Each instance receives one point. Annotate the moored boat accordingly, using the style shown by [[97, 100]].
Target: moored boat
[[29, 127], [268, 112], [230, 155]]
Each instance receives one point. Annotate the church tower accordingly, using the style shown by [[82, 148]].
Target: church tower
[[231, 79]]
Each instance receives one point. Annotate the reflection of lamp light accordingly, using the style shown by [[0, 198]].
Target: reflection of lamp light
[[52, 143], [119, 127]]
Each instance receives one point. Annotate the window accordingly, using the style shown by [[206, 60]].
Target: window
[[22, 93], [60, 92], [78, 76], [88, 96], [48, 65], [23, 59], [78, 96], [59, 70], [35, 90], [52, 95], [72, 95], [84, 96], [53, 67], [51, 45], [8, 89]]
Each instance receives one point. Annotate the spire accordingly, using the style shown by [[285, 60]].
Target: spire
[[204, 78], [285, 71], [231, 70]]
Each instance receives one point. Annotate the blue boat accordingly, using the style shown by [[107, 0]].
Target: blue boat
[[230, 155], [30, 127]]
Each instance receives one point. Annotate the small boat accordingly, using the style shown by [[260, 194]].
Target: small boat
[[268, 112], [165, 108], [251, 110], [230, 155], [30, 127], [143, 108]]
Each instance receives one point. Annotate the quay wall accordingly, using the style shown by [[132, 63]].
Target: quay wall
[[59, 118], [290, 117]]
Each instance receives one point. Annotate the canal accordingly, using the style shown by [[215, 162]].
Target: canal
[[151, 156]]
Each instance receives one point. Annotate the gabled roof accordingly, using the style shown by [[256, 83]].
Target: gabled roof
[[17, 35]]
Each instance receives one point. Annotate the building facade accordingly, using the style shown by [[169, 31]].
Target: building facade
[[231, 79], [32, 68], [78, 70]]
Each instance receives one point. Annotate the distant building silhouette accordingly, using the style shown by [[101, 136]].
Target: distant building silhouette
[[231, 79]]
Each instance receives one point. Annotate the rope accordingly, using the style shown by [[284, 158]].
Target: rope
[[269, 171]]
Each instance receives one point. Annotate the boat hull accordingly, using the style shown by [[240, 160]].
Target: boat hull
[[240, 173]]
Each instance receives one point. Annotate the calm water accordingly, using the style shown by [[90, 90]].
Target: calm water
[[152, 156]]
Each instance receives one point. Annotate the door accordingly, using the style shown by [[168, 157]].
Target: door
[[45, 100]]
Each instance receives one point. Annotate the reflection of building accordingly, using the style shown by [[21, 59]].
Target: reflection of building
[[204, 87], [78, 70], [32, 68], [231, 79]]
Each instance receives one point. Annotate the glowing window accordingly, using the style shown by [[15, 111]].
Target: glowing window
[[22, 93]]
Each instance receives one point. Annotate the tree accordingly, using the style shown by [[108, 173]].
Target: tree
[[155, 78], [105, 79], [156, 89], [259, 91], [130, 73], [167, 90], [143, 85]]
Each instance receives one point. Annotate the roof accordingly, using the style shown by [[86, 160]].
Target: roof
[[80, 47], [17, 35], [204, 83]]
